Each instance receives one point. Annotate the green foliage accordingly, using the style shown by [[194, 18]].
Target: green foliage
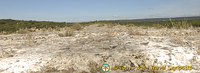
[[10, 26]]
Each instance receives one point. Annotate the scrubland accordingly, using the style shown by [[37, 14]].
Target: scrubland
[[84, 47]]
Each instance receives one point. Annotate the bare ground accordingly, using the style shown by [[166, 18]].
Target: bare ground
[[86, 50]]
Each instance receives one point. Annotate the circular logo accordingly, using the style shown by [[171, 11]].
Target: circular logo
[[105, 67]]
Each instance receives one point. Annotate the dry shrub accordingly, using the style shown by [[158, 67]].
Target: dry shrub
[[58, 28], [134, 32], [94, 67], [33, 29], [111, 25], [131, 31], [76, 26], [61, 35], [3, 32], [198, 49], [23, 31], [183, 24], [41, 30], [49, 69], [50, 29], [29, 40], [177, 41], [68, 32], [5, 55], [158, 26], [18, 46], [101, 25], [130, 25], [197, 43], [8, 53]]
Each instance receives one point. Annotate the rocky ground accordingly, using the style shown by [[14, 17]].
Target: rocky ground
[[86, 50]]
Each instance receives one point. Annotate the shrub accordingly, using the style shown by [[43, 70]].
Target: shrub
[[68, 32], [22, 31], [177, 41], [76, 26], [61, 35], [100, 25], [198, 49], [131, 31]]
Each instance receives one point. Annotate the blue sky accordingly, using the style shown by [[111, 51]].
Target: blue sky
[[89, 10]]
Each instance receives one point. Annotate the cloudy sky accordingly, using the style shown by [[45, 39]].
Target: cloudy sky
[[89, 10]]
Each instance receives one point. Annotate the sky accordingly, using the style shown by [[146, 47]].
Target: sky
[[91, 10]]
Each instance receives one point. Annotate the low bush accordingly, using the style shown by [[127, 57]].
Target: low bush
[[68, 32], [76, 26]]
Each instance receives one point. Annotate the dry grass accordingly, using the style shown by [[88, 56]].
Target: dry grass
[[23, 31], [133, 31], [130, 25], [177, 41], [101, 25], [3, 32], [18, 46], [49, 69], [198, 49], [183, 24], [68, 32], [76, 26], [197, 43], [6, 53], [111, 25], [57, 29], [29, 40], [94, 68], [61, 35]]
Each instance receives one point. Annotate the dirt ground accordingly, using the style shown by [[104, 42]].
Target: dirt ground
[[88, 49]]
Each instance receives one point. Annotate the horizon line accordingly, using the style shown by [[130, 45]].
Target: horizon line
[[104, 19]]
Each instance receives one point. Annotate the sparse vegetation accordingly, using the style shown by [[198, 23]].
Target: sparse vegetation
[[101, 25], [76, 26], [8, 26], [68, 32], [159, 22], [8, 53], [132, 31], [62, 52], [177, 41], [198, 49], [22, 31], [49, 69]]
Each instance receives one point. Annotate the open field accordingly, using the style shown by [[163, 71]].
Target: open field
[[81, 49]]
